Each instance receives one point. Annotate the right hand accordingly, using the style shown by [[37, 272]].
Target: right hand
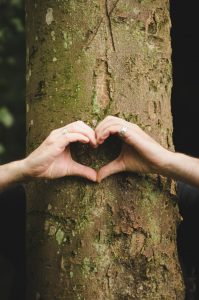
[[52, 159], [140, 153]]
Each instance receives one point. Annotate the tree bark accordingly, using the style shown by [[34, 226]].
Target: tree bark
[[117, 239]]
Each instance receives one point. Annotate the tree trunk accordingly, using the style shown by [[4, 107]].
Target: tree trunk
[[117, 239]]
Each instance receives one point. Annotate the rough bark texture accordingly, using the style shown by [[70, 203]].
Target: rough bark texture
[[114, 240]]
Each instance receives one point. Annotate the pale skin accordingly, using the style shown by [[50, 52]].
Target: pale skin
[[140, 153], [52, 159]]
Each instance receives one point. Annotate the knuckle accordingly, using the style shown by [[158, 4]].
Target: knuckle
[[112, 118], [52, 132], [71, 127], [50, 140], [135, 126], [77, 125], [79, 122]]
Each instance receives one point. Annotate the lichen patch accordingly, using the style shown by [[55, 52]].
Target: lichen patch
[[49, 16]]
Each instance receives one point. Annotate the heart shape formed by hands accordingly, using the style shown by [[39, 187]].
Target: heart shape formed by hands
[[99, 157], [133, 151], [117, 154]]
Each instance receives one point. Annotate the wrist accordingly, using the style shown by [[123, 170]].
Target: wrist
[[167, 165], [11, 173], [24, 170], [19, 170]]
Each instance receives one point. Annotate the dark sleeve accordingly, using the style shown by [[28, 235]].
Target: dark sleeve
[[188, 200]]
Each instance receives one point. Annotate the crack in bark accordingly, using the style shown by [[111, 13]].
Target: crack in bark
[[108, 275], [109, 24], [101, 99], [94, 32]]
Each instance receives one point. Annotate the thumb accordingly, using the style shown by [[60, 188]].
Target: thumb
[[113, 167], [83, 171]]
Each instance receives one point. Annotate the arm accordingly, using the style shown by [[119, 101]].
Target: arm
[[182, 167], [141, 153], [52, 159], [11, 173]]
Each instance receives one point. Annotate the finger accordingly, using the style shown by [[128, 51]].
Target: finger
[[107, 131], [83, 128], [89, 132], [83, 171], [110, 125], [133, 135], [64, 140], [104, 123], [113, 167]]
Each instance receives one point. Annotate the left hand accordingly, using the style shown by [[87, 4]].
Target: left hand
[[140, 152], [52, 159]]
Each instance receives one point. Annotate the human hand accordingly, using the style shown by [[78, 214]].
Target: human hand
[[52, 159], [140, 153]]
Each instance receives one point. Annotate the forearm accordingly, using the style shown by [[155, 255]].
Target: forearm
[[182, 167], [11, 173]]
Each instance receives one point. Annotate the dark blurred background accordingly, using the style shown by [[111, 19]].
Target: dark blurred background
[[12, 147], [185, 109], [185, 96]]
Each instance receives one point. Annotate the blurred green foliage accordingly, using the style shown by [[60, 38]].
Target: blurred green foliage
[[6, 118], [12, 80]]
